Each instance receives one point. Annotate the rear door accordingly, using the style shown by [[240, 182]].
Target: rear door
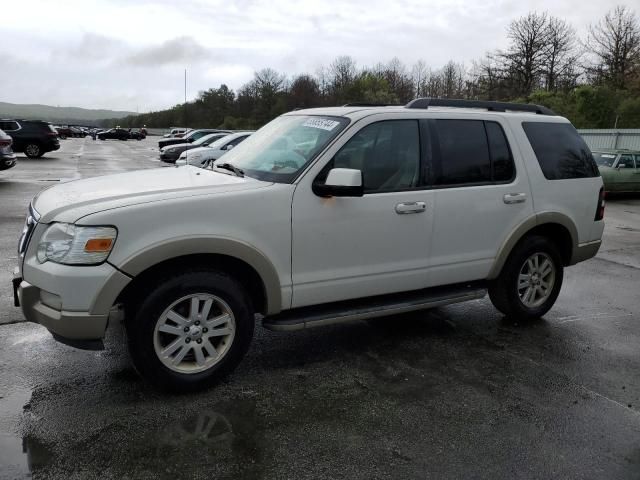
[[481, 194]]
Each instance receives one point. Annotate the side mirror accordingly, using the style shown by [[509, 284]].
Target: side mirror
[[340, 182]]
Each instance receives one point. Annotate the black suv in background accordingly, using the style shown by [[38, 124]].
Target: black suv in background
[[33, 137], [7, 157]]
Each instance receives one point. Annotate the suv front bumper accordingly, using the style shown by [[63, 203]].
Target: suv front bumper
[[78, 326]]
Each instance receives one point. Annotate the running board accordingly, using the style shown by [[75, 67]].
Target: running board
[[372, 307]]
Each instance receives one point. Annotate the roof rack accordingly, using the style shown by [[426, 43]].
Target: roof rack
[[369, 104], [491, 106]]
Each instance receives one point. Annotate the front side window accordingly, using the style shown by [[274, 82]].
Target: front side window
[[387, 153], [626, 161], [281, 149], [560, 150]]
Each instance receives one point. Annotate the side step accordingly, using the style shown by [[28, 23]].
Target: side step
[[372, 307]]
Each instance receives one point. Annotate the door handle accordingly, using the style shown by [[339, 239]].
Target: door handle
[[510, 198], [410, 207]]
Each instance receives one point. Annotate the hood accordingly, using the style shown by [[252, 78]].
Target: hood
[[69, 201]]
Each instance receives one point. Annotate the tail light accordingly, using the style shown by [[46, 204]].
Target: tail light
[[601, 203], [5, 142]]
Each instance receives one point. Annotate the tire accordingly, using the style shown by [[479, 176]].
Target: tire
[[63, 137], [530, 299], [169, 307], [33, 150]]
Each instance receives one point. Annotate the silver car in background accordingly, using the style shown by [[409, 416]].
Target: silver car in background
[[7, 157]]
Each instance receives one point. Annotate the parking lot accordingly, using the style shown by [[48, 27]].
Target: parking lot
[[454, 392]]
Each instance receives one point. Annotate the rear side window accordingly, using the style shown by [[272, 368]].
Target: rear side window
[[501, 159], [464, 153], [560, 150], [471, 152], [8, 126]]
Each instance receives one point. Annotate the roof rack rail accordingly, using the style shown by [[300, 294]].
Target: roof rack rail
[[491, 106], [369, 104]]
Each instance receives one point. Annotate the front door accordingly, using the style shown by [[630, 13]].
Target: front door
[[355, 247], [624, 175]]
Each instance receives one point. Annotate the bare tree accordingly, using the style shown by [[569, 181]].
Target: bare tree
[[452, 76], [526, 54], [419, 78], [560, 55], [615, 43], [343, 70]]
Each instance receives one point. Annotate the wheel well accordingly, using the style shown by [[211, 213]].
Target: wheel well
[[559, 235], [238, 269]]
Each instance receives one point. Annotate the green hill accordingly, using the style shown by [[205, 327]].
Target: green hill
[[61, 115]]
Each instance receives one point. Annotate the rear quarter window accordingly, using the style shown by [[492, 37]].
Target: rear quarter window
[[560, 150]]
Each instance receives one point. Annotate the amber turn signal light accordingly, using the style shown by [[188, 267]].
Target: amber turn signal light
[[98, 245]]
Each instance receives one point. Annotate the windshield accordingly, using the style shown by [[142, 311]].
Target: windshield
[[604, 159], [279, 150]]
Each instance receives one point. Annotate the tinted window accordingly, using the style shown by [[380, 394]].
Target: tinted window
[[237, 140], [560, 150], [464, 153], [387, 153], [7, 126], [501, 160]]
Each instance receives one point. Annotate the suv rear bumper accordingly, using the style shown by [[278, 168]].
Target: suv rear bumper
[[72, 326], [585, 251]]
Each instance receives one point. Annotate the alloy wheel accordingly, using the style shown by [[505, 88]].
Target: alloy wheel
[[536, 280], [194, 333]]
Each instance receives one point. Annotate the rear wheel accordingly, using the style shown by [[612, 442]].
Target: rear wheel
[[530, 281], [33, 150], [191, 330]]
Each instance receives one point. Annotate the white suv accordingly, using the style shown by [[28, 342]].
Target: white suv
[[322, 216]]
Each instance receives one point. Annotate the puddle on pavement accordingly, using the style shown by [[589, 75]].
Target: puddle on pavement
[[14, 457]]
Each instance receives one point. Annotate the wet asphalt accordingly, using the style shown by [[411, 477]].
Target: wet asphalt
[[455, 392]]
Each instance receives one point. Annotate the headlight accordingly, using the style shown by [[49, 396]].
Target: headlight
[[74, 245]]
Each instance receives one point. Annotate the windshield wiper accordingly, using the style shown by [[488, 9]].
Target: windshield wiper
[[227, 166]]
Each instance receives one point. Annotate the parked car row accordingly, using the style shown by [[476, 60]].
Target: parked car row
[[199, 146], [190, 137], [121, 134], [204, 156]]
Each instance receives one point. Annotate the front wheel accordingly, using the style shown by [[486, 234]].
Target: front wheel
[[191, 330], [530, 281]]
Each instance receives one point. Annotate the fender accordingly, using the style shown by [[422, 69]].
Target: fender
[[195, 244], [523, 228]]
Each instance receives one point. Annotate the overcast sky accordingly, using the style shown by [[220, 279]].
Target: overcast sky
[[131, 54]]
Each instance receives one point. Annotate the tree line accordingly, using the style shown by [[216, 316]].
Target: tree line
[[593, 81]]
